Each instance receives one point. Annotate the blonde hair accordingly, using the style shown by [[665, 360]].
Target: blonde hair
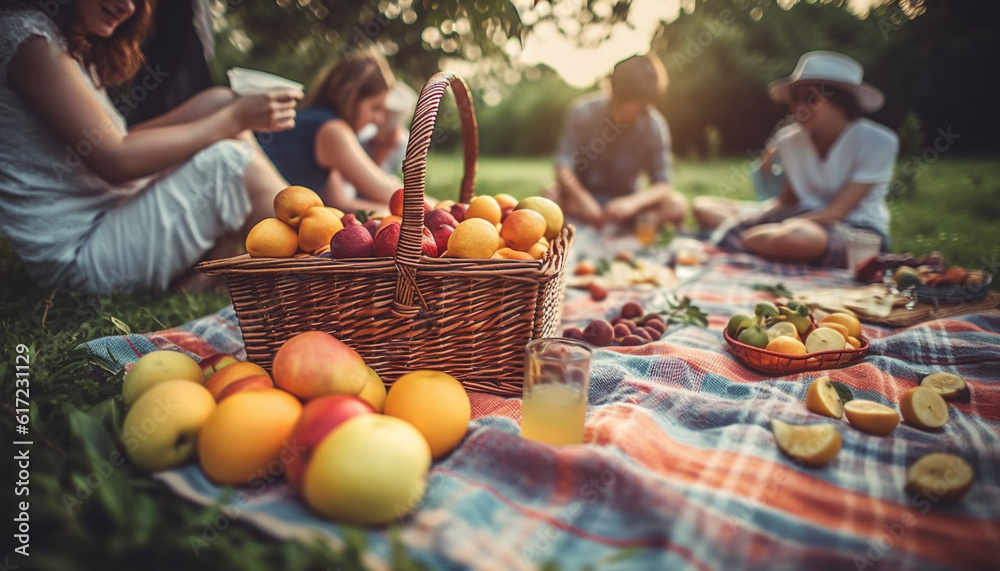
[[356, 77]]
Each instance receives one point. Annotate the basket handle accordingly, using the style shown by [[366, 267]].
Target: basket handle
[[414, 184]]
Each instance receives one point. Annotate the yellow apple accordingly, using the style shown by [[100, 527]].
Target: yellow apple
[[157, 367], [374, 391], [371, 470], [161, 429]]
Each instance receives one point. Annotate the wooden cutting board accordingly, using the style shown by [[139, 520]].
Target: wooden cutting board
[[871, 303]]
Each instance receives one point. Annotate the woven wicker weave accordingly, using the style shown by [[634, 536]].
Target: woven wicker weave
[[780, 364], [470, 318]]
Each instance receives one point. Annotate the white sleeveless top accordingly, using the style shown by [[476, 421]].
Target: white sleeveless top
[[49, 199]]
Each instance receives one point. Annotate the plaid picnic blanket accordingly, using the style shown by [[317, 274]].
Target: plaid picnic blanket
[[679, 469]]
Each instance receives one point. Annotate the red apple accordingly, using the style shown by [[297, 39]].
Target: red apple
[[441, 235], [428, 246], [436, 218], [319, 417], [386, 240], [458, 211], [315, 363], [209, 365], [505, 212], [255, 383]]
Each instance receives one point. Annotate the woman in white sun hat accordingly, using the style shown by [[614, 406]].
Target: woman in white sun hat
[[838, 167]]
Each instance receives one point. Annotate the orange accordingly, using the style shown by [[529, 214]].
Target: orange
[[522, 229], [850, 322], [291, 204], [227, 375], [245, 435], [317, 228], [272, 238], [786, 346], [548, 209], [505, 200], [509, 254], [485, 207], [473, 238], [435, 403]]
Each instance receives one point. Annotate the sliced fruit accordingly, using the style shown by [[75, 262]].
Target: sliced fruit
[[782, 329], [823, 398], [836, 327], [813, 445], [939, 475], [853, 343], [850, 322], [824, 339], [923, 407], [945, 384], [871, 416], [786, 346]]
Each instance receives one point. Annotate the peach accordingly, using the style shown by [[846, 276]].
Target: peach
[[315, 363], [254, 383], [224, 377]]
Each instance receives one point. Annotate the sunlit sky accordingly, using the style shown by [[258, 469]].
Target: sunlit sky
[[581, 67]]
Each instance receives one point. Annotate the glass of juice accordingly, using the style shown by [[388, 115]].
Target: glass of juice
[[646, 227], [556, 381]]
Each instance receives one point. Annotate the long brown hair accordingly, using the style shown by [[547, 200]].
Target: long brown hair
[[356, 77], [114, 60]]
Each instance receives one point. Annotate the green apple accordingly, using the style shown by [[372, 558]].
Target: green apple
[[161, 428], [157, 367], [371, 470]]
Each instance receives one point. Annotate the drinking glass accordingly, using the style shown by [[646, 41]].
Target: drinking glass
[[861, 247], [556, 381]]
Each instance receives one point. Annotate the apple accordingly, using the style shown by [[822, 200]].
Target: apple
[[254, 383], [374, 391], [319, 417], [458, 211], [315, 363], [157, 367], [161, 429], [372, 225], [247, 437], [441, 236], [505, 212], [371, 470], [209, 365], [436, 218], [396, 204], [386, 241]]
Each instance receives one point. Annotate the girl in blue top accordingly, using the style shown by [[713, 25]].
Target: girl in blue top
[[322, 151]]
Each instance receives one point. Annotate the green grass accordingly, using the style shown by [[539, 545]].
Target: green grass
[[129, 521]]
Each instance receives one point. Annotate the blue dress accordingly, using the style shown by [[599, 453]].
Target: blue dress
[[294, 151]]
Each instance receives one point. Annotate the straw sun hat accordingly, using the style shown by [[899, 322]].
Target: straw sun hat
[[832, 68]]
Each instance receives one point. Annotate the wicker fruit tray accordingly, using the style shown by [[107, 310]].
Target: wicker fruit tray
[[780, 364]]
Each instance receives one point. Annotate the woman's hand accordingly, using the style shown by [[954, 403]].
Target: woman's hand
[[271, 111]]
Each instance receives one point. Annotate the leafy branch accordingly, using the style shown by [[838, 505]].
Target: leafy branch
[[779, 289]]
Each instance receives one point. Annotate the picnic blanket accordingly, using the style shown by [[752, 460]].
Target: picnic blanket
[[679, 469]]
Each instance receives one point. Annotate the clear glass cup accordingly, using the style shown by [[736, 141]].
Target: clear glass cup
[[861, 246], [556, 381]]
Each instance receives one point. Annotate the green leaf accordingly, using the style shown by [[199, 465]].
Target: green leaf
[[361, 215], [120, 325], [843, 391], [97, 442]]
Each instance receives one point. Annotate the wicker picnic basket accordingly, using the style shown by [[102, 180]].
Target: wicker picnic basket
[[470, 318], [781, 364]]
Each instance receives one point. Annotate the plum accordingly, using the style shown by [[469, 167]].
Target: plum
[[599, 332]]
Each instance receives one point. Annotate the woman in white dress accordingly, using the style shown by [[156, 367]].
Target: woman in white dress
[[87, 203]]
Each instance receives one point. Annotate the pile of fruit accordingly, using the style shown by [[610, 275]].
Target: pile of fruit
[[492, 227], [325, 422], [941, 476], [632, 327], [788, 329], [930, 270]]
